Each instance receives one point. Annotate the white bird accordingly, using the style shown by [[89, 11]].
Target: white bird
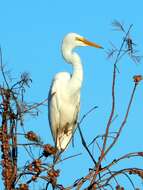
[[64, 96]]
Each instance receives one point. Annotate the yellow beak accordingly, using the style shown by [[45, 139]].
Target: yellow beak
[[88, 43]]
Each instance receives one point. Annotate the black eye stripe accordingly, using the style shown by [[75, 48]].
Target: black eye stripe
[[79, 39]]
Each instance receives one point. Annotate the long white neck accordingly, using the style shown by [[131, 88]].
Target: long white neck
[[74, 59]]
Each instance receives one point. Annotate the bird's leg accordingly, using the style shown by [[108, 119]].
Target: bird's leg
[[57, 157]]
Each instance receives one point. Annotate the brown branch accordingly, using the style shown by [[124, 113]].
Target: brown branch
[[124, 121], [7, 163], [112, 109], [135, 171]]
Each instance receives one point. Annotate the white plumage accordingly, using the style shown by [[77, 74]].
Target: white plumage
[[64, 95]]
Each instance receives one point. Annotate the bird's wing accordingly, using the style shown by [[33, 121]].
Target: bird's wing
[[55, 101], [68, 127], [74, 124]]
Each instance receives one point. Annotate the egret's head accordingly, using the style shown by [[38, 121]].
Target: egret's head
[[73, 40]]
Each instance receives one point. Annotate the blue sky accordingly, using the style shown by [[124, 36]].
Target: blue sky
[[30, 36]]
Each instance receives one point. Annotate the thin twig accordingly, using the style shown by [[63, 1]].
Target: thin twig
[[85, 145], [85, 115], [35, 106], [1, 65], [69, 157]]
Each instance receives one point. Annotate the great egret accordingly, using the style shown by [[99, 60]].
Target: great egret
[[64, 96]]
